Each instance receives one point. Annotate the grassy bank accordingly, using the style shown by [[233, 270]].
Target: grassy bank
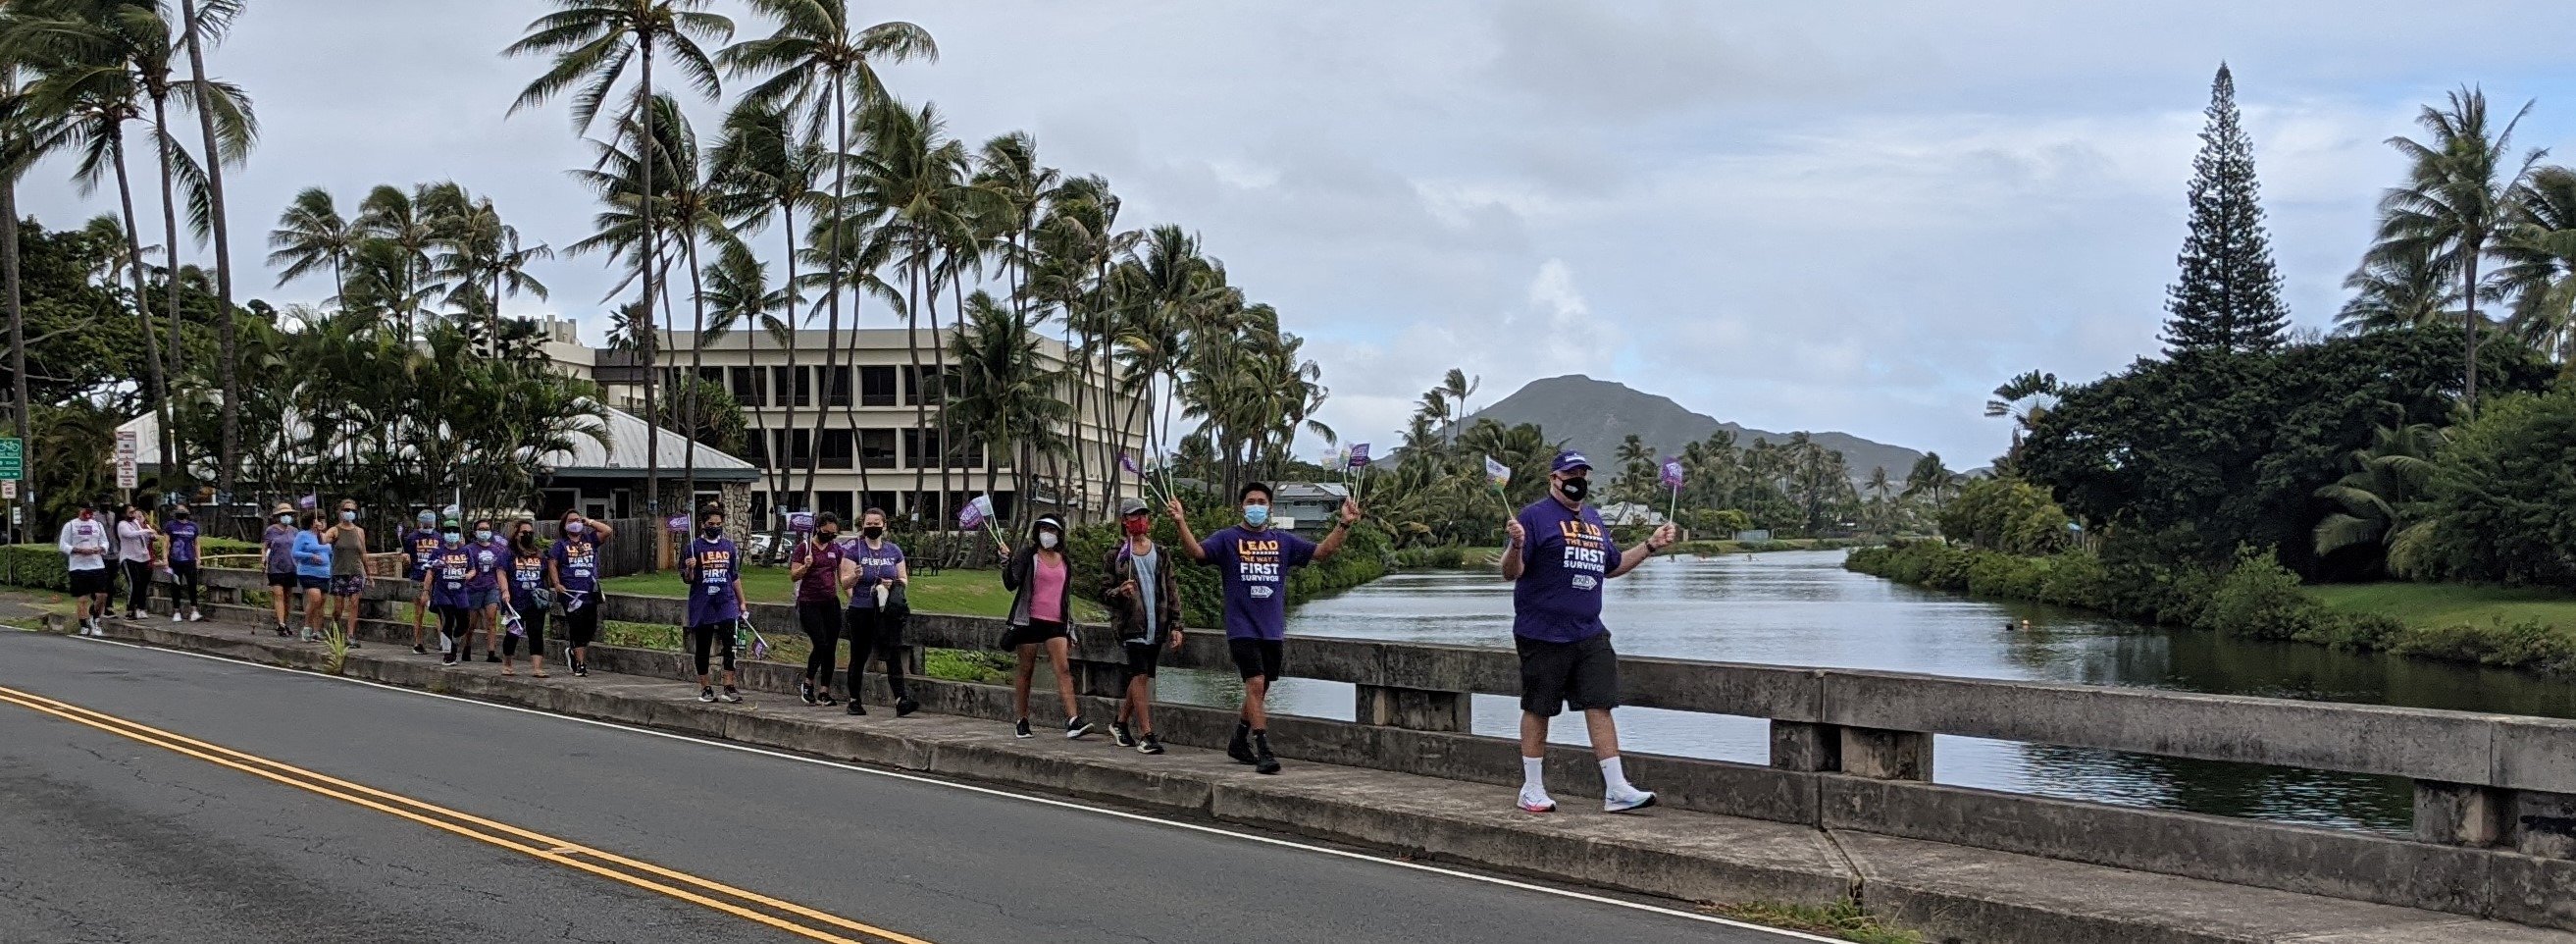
[[2255, 597], [1480, 558], [961, 592]]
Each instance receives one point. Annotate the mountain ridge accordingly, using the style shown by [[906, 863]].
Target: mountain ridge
[[1593, 416]]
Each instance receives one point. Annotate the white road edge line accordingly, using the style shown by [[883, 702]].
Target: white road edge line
[[1048, 801]]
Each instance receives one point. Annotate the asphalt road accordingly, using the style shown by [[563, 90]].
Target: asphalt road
[[107, 839]]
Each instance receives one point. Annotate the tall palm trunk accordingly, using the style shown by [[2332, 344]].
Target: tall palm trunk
[[227, 337], [939, 365], [647, 149], [697, 363], [772, 471], [920, 398], [839, 259], [160, 382], [2469, 258], [174, 470]]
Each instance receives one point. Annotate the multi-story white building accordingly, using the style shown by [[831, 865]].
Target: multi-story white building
[[861, 422]]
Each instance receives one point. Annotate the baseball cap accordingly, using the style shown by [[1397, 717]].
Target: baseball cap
[[1132, 506], [1569, 461]]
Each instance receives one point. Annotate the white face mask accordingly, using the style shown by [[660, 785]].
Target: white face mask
[[1046, 539]]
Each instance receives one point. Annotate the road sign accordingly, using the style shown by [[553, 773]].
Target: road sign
[[125, 449], [13, 458], [9, 489]]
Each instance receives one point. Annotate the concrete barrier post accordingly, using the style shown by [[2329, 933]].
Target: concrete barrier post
[[1413, 708], [2542, 824], [1886, 755], [2462, 814], [1806, 747]]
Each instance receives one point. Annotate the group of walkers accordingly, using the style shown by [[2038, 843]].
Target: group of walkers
[[1558, 557], [137, 546]]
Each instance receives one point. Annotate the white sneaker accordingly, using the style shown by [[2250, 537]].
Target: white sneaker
[[1632, 799], [1537, 801], [176, 618], [196, 616]]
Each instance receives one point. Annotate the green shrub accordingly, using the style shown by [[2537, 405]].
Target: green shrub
[[40, 566], [2076, 578], [2259, 599], [2523, 644]]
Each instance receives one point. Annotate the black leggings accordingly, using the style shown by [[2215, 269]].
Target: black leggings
[[822, 625], [183, 584], [533, 620], [871, 631], [582, 625], [457, 624], [703, 638], [138, 585]]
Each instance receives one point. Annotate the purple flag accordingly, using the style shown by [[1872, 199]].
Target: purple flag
[[800, 521], [679, 524], [1673, 473], [1127, 461], [976, 512], [307, 502], [1359, 456]]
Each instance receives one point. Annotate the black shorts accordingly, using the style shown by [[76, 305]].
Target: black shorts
[[1037, 631], [1143, 659], [286, 580], [1583, 674], [314, 584], [1257, 658], [90, 583]]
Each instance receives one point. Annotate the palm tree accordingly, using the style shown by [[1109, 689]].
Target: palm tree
[[2374, 496], [401, 229], [1633, 448], [201, 30], [739, 297], [18, 129], [913, 178], [2539, 256], [310, 235], [768, 172], [2459, 196], [1457, 387], [482, 259], [1879, 488], [2026, 399], [2397, 291], [1006, 392], [592, 41], [1931, 480]]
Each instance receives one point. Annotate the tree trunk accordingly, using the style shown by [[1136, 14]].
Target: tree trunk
[[646, 149], [939, 363], [174, 468], [159, 382], [697, 365], [920, 399], [2469, 388], [839, 259], [227, 343]]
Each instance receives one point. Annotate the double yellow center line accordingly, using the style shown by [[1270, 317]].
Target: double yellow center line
[[750, 906]]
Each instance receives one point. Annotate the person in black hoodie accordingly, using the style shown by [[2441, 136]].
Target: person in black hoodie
[[1042, 616], [1143, 590]]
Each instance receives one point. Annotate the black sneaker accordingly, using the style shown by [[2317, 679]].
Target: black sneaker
[[490, 656], [580, 671], [1020, 729], [1241, 747], [707, 695], [1150, 745], [448, 659], [731, 697], [1075, 728], [1118, 731], [419, 650], [904, 706], [824, 698], [805, 690], [1263, 762], [856, 708]]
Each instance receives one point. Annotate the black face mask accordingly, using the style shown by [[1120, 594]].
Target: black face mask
[[711, 532], [826, 537], [1575, 489], [527, 540], [872, 533]]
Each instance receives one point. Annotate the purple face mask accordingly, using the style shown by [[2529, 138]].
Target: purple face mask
[[572, 527]]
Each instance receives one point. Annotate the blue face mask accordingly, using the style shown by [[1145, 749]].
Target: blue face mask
[[453, 538], [1256, 515], [483, 537]]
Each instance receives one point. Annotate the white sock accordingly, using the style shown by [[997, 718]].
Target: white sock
[[1613, 782], [1533, 775]]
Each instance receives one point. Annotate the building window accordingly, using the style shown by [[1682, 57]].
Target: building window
[[917, 385], [748, 389], [712, 375], [837, 393], [800, 380], [876, 448], [836, 503], [791, 448], [918, 446], [755, 447], [836, 449], [877, 386]]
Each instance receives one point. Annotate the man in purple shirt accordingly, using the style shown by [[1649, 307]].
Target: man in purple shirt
[[1559, 554], [714, 572], [1253, 561], [182, 532], [422, 544]]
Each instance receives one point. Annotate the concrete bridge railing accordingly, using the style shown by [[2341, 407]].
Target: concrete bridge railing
[[2495, 795]]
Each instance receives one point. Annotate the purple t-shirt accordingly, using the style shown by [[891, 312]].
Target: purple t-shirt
[[183, 541], [576, 562], [822, 580], [451, 576], [279, 542], [527, 572], [711, 596], [423, 545], [1253, 566], [876, 565], [1566, 558], [489, 559]]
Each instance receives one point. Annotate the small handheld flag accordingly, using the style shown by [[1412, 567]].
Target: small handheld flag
[[974, 513], [1360, 456], [1673, 473], [307, 502], [1497, 473]]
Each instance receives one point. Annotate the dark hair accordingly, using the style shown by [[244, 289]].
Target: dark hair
[[826, 518], [1251, 487]]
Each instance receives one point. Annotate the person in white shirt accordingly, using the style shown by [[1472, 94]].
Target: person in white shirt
[[83, 542], [136, 553]]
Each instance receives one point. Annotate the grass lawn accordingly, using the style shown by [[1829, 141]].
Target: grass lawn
[[2442, 605], [960, 592]]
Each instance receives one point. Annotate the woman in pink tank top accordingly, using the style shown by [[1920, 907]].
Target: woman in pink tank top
[[1041, 575]]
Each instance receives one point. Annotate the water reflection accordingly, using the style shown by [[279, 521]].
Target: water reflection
[[1804, 609]]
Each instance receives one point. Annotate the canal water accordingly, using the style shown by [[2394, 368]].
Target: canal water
[[1803, 608]]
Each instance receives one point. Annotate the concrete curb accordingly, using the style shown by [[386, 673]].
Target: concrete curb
[[1953, 893]]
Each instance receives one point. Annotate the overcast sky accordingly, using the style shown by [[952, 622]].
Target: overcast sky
[[1821, 215]]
